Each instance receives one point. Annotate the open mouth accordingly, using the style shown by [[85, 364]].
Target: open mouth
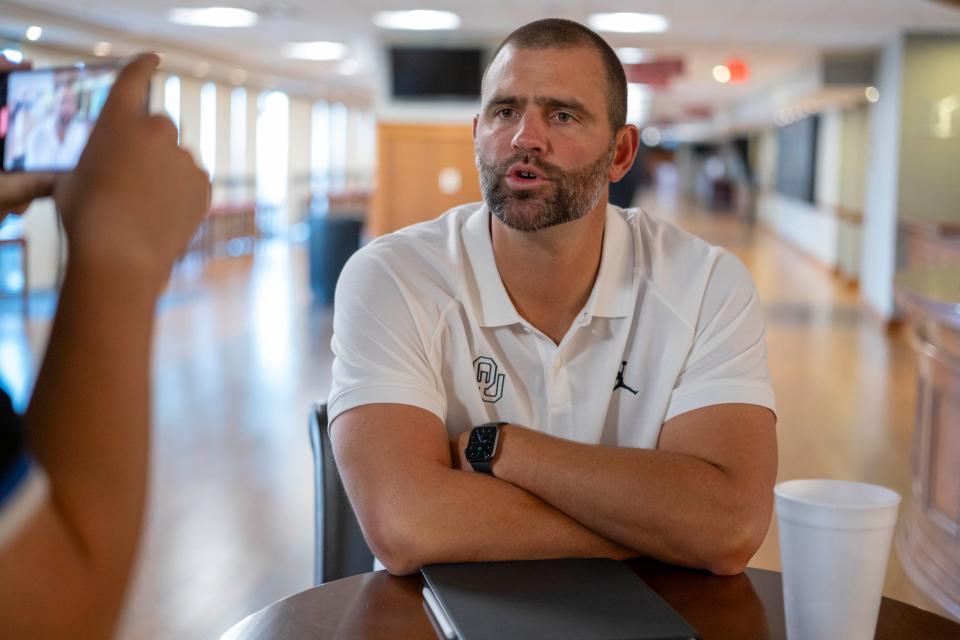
[[524, 177]]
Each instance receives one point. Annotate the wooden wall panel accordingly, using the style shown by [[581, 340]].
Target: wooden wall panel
[[410, 159]]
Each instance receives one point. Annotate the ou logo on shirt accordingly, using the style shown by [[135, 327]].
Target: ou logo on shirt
[[489, 381]]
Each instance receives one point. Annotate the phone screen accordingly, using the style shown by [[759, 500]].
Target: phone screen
[[47, 115]]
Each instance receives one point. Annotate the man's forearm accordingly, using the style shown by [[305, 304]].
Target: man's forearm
[[471, 517], [672, 506]]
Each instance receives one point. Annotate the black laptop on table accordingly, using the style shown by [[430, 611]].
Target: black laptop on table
[[569, 599]]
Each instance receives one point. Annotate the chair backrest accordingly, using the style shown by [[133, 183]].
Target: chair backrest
[[341, 550]]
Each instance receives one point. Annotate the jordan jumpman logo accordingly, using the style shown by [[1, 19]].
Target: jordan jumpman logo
[[620, 383]]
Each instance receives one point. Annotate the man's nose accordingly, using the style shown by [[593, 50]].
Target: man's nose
[[531, 135]]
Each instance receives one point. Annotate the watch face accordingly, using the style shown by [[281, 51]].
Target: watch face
[[482, 443]]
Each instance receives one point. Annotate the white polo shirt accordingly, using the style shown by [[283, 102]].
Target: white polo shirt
[[672, 324]]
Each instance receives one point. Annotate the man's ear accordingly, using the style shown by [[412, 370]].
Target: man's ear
[[476, 118], [624, 151]]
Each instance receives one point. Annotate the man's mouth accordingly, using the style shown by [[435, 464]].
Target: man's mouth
[[520, 177]]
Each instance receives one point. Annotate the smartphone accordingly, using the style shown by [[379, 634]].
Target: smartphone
[[46, 115]]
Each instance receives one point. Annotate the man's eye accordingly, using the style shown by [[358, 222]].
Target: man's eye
[[505, 113], [563, 117]]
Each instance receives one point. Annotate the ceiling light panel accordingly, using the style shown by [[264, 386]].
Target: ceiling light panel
[[624, 22], [417, 20], [319, 51], [220, 17]]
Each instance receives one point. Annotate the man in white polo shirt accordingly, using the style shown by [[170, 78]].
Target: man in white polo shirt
[[603, 371]]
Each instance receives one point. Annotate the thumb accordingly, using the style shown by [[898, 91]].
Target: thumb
[[19, 189]]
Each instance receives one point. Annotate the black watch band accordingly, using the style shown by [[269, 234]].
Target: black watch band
[[482, 446]]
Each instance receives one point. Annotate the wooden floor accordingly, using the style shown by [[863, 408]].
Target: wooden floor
[[242, 351]]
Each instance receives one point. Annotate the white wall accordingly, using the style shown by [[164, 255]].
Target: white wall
[[829, 140], [813, 228], [809, 228]]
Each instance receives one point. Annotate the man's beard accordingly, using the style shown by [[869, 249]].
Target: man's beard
[[575, 192]]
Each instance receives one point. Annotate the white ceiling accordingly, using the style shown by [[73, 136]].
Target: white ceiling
[[776, 37]]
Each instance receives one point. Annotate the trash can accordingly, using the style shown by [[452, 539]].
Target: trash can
[[333, 239]]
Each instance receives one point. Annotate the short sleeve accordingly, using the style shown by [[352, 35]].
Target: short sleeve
[[382, 337], [727, 362]]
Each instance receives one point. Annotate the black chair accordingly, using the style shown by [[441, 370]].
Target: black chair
[[341, 550]]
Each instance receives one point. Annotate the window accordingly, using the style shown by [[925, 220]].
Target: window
[[171, 99], [338, 147], [320, 151], [208, 128], [273, 130], [238, 132]]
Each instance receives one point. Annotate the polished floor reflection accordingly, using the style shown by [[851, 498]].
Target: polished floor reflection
[[242, 351]]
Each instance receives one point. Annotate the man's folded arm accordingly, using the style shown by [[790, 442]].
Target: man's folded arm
[[703, 498], [416, 509]]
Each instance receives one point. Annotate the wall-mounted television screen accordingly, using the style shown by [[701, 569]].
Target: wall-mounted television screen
[[797, 159], [422, 73]]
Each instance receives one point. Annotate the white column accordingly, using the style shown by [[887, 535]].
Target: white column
[[883, 184]]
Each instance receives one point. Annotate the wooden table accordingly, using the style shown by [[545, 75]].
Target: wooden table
[[378, 605]]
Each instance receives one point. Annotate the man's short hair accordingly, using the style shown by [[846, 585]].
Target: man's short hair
[[557, 33]]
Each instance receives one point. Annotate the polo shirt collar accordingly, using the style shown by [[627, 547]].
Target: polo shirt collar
[[612, 295], [495, 308]]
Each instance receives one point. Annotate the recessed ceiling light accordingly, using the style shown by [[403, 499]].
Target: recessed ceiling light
[[33, 33], [101, 49], [315, 50], [13, 55], [417, 20], [633, 55], [872, 94], [625, 22], [721, 74], [213, 17]]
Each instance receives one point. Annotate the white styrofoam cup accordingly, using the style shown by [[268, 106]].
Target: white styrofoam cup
[[834, 543]]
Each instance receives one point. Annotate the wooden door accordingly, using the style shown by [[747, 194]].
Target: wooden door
[[422, 170]]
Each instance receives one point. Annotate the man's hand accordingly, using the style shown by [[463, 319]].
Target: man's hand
[[702, 498], [135, 198]]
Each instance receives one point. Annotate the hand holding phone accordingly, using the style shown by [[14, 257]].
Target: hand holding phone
[[135, 198]]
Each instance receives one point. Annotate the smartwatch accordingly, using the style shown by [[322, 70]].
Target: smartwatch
[[482, 446]]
